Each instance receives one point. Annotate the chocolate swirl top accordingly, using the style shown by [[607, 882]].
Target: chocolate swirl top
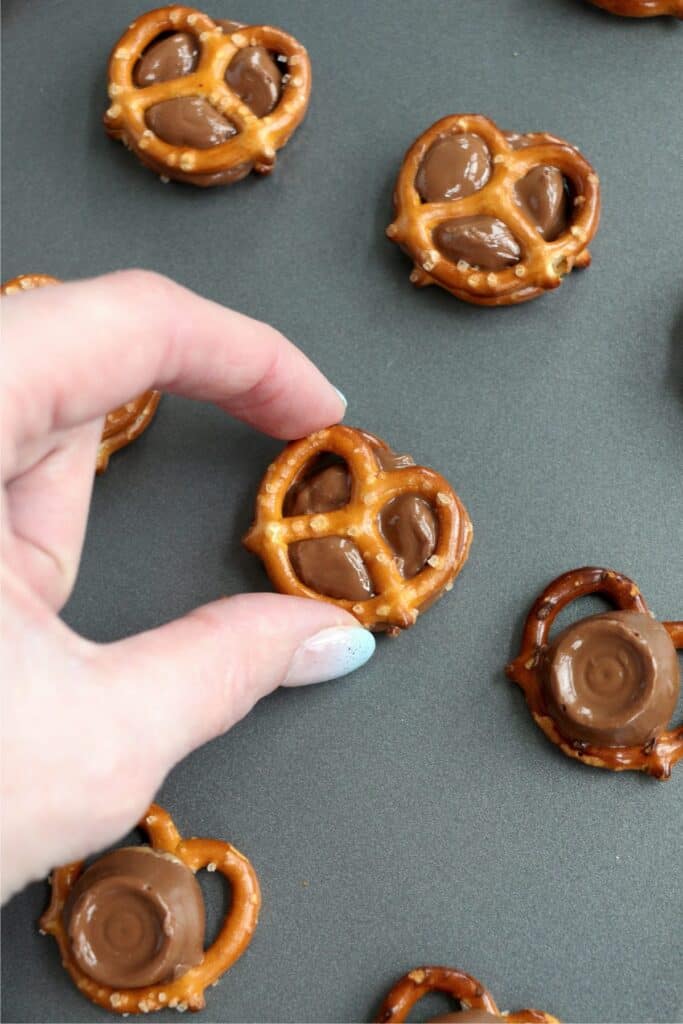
[[612, 679], [135, 918]]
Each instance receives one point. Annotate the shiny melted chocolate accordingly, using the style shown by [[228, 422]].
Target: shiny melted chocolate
[[256, 78], [332, 566], [612, 679], [189, 121], [481, 241], [172, 57], [136, 918], [454, 166], [542, 194], [408, 525]]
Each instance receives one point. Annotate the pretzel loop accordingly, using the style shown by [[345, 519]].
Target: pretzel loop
[[658, 756], [186, 992]]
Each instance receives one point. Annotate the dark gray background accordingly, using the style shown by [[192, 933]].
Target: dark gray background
[[430, 819]]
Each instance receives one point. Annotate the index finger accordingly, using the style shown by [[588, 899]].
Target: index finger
[[73, 352]]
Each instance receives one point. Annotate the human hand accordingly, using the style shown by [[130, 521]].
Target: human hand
[[90, 730]]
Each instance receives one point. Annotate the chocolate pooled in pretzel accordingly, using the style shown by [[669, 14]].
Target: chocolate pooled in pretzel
[[641, 8], [130, 928], [605, 688], [494, 218], [204, 101], [476, 1002], [122, 425], [341, 517]]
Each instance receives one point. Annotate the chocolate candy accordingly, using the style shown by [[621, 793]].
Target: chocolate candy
[[332, 566], [409, 527], [189, 121], [543, 197], [172, 57], [481, 241], [453, 167], [136, 918], [612, 679], [471, 1016], [256, 78], [323, 489]]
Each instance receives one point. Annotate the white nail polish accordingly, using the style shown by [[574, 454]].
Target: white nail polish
[[329, 654], [343, 398]]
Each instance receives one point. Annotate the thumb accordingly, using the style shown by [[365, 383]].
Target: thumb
[[192, 679]]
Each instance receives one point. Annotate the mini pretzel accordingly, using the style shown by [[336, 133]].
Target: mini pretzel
[[186, 992], [122, 425], [257, 140], [397, 601], [641, 8], [469, 992], [543, 263], [657, 756]]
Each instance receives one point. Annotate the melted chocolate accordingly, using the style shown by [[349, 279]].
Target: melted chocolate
[[388, 460], [472, 1016], [481, 241], [612, 679], [543, 197], [409, 527], [173, 57], [325, 489], [136, 918], [189, 121], [454, 166], [256, 78], [332, 566]]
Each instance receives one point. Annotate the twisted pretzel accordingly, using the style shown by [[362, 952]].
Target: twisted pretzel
[[397, 601], [463, 987], [543, 263], [257, 140], [641, 8], [658, 756], [122, 425], [186, 992]]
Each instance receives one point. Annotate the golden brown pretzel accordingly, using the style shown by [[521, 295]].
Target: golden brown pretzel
[[467, 990], [257, 140], [122, 425], [397, 601], [658, 756], [641, 8], [543, 263], [186, 992]]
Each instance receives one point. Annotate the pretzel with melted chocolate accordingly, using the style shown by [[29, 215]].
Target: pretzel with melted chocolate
[[122, 425], [605, 689], [477, 1002], [401, 528], [207, 105], [138, 913], [467, 189], [641, 8]]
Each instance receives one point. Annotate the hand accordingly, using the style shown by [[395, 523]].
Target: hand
[[90, 731]]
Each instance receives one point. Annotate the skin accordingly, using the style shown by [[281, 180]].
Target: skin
[[89, 731]]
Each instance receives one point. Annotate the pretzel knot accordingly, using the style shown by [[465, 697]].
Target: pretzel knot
[[469, 992], [187, 991], [395, 600], [534, 264], [604, 690], [641, 8], [122, 425], [257, 138]]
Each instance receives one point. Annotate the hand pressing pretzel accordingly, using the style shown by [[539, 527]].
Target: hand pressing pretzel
[[605, 688], [122, 425], [494, 218], [130, 928], [476, 1002], [209, 103], [342, 518], [641, 8]]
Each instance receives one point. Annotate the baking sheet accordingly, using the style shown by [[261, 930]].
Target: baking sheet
[[412, 813]]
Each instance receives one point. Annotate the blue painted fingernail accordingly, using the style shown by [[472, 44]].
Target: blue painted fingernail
[[329, 654], [343, 398]]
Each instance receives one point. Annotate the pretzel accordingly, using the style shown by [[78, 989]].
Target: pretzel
[[122, 425], [543, 263], [397, 601], [187, 991], [257, 140], [641, 8], [469, 992], [656, 757]]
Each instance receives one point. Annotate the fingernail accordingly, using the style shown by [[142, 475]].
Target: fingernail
[[343, 398], [329, 654]]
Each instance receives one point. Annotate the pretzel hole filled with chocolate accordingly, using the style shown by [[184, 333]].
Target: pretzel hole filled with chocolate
[[455, 166], [171, 55], [482, 242]]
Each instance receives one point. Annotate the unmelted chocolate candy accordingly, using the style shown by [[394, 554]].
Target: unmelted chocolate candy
[[543, 197], [256, 78], [189, 121], [325, 489], [612, 679], [136, 918], [455, 166], [481, 241], [331, 566], [471, 1016], [409, 527], [173, 57]]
